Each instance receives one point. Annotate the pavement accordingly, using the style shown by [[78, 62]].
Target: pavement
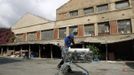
[[17, 66]]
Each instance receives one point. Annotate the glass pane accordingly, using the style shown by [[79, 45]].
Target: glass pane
[[103, 28], [31, 36], [122, 4], [124, 26], [62, 33], [71, 29], [20, 38], [102, 8], [47, 35], [89, 29], [88, 10], [73, 13]]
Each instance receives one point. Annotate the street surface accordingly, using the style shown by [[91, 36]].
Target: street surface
[[13, 66]]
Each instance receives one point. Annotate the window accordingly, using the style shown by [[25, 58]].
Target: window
[[124, 26], [20, 38], [47, 35], [73, 29], [102, 8], [62, 33], [122, 4], [31, 36], [73, 13], [103, 28], [89, 10], [89, 29]]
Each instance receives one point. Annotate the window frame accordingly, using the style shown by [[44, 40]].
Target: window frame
[[63, 33], [98, 6], [86, 10], [73, 29], [106, 24], [19, 38], [34, 38], [73, 13], [120, 2], [52, 34], [130, 26], [92, 34]]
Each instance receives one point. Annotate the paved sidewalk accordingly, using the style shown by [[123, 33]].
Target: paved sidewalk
[[10, 66]]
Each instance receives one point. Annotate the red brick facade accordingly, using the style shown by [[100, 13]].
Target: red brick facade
[[80, 30], [113, 27]]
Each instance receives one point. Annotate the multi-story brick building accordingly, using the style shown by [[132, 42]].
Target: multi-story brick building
[[108, 24]]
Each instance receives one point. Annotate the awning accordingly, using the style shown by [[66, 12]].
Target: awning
[[55, 42], [109, 39]]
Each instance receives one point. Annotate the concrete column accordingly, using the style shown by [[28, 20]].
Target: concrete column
[[96, 29], [95, 9], [1, 51], [106, 45], [26, 37], [67, 31], [112, 6], [21, 52], [29, 51], [7, 51], [132, 21], [51, 48], [39, 51]]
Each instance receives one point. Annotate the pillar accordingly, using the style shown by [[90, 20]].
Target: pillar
[[29, 51], [96, 29], [113, 27], [1, 51], [39, 51], [80, 30], [51, 48]]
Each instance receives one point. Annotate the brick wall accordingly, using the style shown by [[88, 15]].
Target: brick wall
[[113, 27], [80, 30], [56, 33]]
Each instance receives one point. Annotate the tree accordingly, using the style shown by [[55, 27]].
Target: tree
[[6, 36], [95, 51]]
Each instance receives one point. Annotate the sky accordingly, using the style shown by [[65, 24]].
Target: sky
[[12, 10]]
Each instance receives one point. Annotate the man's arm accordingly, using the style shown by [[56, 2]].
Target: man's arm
[[72, 40]]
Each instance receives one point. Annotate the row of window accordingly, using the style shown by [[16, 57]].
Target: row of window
[[102, 8], [123, 27]]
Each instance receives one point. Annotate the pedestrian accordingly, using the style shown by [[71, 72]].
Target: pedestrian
[[68, 41]]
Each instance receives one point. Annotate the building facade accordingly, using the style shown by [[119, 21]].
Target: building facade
[[107, 24], [35, 35], [105, 17]]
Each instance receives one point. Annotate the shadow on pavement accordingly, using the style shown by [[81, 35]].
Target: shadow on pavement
[[4, 60], [75, 73], [130, 64]]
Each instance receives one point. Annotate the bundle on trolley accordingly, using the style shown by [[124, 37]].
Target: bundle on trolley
[[75, 55], [79, 55]]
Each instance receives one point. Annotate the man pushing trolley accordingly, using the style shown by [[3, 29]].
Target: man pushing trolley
[[72, 55]]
